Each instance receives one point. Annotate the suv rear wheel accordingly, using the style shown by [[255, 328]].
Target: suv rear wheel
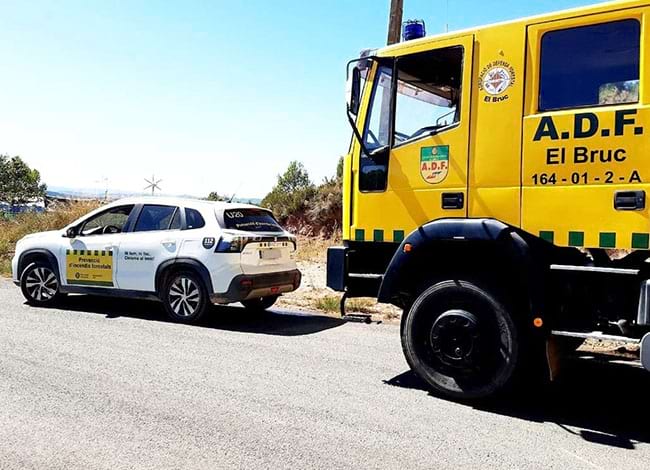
[[39, 284], [184, 297]]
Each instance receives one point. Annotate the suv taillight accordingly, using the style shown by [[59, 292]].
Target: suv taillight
[[231, 243]]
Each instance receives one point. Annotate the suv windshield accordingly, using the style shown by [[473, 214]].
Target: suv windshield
[[252, 220]]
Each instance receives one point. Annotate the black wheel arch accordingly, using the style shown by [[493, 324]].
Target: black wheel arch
[[179, 264], [35, 254], [484, 250]]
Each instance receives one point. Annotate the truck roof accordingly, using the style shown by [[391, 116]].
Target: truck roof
[[388, 51]]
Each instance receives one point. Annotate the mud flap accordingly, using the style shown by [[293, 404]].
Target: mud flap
[[554, 353], [645, 352]]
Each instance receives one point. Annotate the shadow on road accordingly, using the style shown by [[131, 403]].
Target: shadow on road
[[602, 403], [277, 322]]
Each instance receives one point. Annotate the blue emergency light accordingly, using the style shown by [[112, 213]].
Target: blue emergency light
[[413, 29]]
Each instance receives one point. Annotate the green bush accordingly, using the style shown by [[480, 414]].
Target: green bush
[[303, 207], [291, 194]]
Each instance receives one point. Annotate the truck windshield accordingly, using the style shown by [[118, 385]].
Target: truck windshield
[[251, 220]]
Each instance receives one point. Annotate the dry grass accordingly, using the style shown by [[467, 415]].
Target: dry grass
[[314, 249], [331, 304], [13, 229]]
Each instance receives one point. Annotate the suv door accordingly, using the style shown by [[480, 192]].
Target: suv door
[[153, 240], [417, 134], [88, 258]]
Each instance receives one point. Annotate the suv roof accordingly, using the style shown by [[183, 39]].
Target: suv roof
[[182, 201]]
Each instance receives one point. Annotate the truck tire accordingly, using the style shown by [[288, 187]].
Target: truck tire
[[39, 284], [259, 304], [461, 340], [185, 297]]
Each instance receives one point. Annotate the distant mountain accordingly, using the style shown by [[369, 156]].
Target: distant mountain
[[94, 193]]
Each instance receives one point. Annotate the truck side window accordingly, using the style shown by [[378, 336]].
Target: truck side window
[[428, 93], [374, 169], [590, 66], [378, 124]]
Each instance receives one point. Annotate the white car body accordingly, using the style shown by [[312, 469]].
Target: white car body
[[132, 261]]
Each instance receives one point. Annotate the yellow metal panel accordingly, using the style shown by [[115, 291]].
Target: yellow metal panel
[[497, 203], [495, 145], [504, 171], [575, 160], [409, 200]]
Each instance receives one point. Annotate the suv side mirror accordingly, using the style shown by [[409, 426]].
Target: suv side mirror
[[354, 96], [71, 232]]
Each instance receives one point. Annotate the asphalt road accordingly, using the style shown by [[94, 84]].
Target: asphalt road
[[110, 384]]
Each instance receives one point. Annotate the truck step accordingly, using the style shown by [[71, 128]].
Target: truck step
[[597, 335], [365, 276], [594, 269], [609, 359]]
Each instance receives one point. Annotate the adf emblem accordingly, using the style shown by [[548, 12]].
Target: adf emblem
[[434, 163]]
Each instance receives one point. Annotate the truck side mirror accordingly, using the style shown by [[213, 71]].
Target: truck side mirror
[[71, 232], [354, 96]]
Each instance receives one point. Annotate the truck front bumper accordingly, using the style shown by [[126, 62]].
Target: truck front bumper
[[255, 286]]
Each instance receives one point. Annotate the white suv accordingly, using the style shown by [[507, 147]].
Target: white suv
[[186, 253]]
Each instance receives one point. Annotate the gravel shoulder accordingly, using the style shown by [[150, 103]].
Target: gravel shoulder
[[314, 295]]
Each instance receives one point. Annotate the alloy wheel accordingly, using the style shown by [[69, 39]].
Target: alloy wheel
[[41, 284], [184, 297]]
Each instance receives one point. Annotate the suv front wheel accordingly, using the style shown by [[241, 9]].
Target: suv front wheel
[[184, 296], [39, 284]]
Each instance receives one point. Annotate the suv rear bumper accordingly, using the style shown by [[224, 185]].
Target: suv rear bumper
[[253, 286]]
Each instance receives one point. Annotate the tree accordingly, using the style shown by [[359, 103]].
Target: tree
[[291, 193], [19, 183], [339, 169], [295, 178], [214, 196]]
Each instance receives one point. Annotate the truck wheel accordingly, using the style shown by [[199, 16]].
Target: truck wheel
[[184, 297], [260, 304], [39, 284], [461, 340]]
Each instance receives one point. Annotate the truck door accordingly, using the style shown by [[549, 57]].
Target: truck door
[[417, 135], [585, 169]]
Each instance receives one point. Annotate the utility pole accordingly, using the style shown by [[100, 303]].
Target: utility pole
[[395, 21]]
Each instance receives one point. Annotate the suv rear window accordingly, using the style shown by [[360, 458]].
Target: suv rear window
[[252, 220]]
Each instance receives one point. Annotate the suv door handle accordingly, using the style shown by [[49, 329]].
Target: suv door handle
[[453, 200], [629, 200]]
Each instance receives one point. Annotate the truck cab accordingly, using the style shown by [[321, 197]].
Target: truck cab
[[495, 190]]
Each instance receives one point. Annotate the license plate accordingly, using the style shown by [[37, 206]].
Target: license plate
[[270, 254]]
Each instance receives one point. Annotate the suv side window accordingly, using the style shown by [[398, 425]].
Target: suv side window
[[176, 220], [154, 217], [193, 219], [110, 221], [590, 66]]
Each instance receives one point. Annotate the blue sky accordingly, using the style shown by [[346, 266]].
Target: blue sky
[[208, 95]]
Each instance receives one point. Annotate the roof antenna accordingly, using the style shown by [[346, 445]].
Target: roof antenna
[[233, 194], [447, 23]]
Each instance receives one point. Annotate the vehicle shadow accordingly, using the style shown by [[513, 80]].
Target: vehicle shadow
[[277, 322], [602, 403]]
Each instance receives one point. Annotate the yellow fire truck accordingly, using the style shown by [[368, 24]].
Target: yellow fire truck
[[495, 190]]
